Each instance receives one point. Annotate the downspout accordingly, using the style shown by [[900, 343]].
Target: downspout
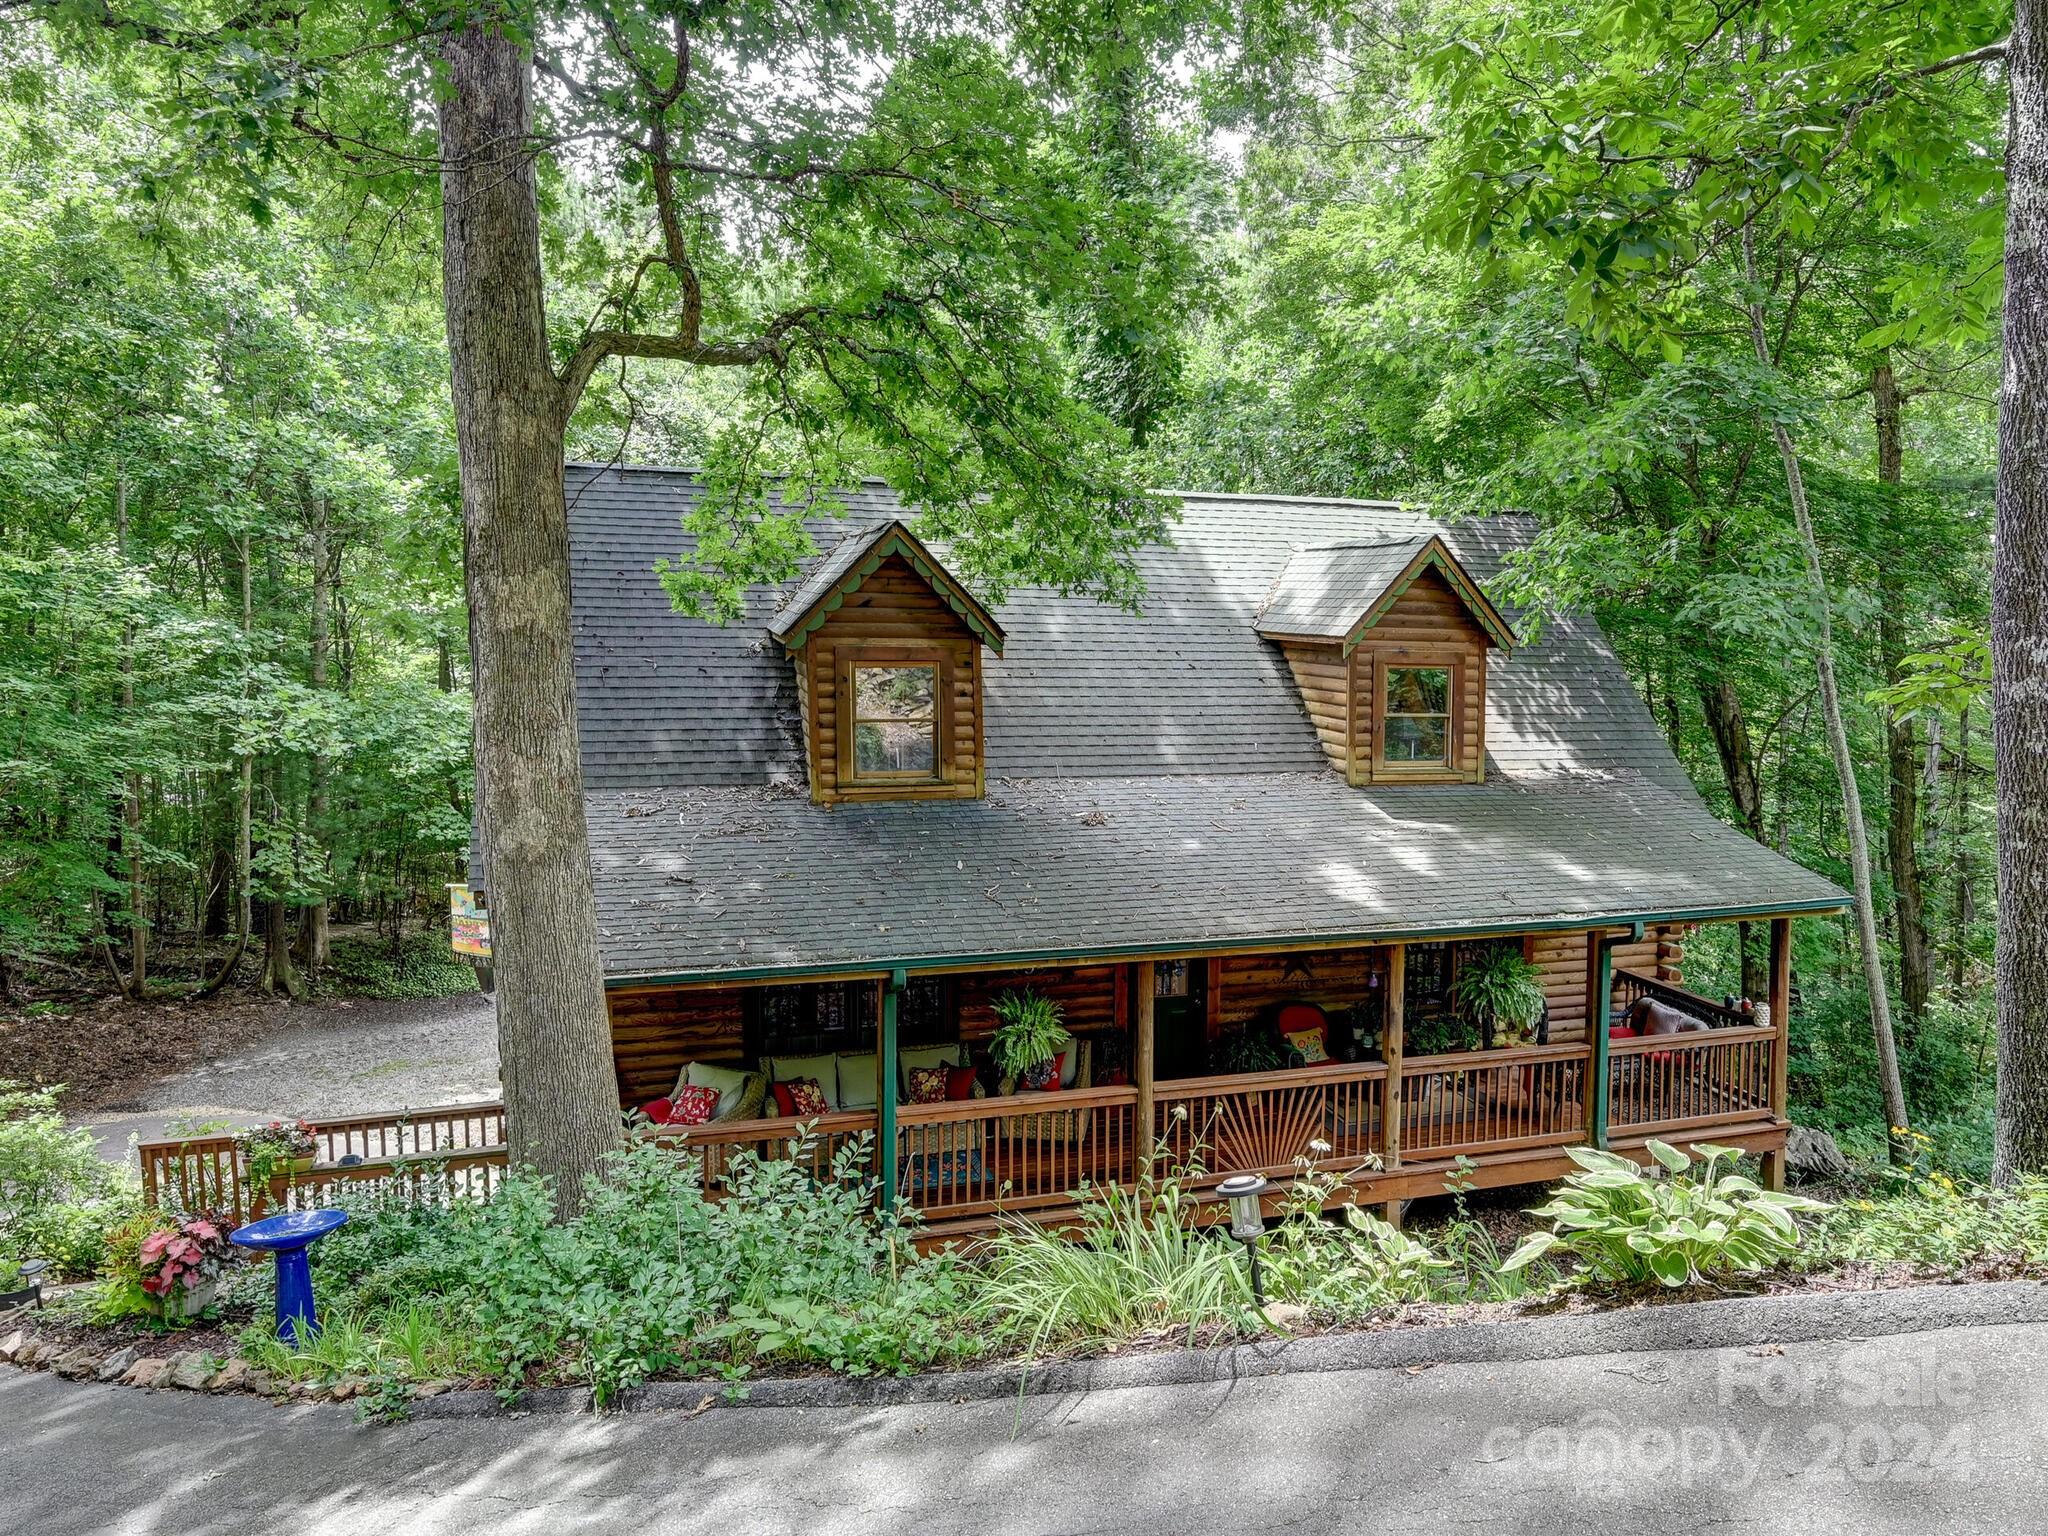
[[885, 1097]]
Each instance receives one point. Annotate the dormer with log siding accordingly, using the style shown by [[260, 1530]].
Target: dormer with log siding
[[887, 647], [1388, 642]]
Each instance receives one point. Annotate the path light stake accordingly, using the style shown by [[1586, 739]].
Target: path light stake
[[1248, 1222]]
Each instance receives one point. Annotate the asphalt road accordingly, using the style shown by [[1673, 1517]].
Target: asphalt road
[[1943, 1431], [349, 1057]]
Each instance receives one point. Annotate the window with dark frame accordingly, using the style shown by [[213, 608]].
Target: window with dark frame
[[1170, 978], [895, 722], [1416, 723]]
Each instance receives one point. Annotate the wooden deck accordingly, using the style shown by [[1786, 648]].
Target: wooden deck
[[1391, 1131]]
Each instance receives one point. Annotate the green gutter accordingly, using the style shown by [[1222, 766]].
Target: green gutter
[[1112, 952], [1601, 1007], [885, 1101]]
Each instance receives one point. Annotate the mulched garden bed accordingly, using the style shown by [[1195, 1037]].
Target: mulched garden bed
[[203, 1357]]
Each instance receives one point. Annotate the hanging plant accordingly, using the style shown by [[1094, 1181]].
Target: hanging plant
[[1029, 1030], [1498, 993]]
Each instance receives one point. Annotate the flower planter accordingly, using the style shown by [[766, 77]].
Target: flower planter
[[187, 1302]]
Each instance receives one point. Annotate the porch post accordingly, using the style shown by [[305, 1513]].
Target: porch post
[[1392, 1044], [1141, 1068], [1781, 1022], [1599, 1011], [885, 1096]]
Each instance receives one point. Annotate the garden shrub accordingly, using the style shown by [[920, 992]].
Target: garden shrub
[[58, 1197], [651, 1277], [1626, 1227]]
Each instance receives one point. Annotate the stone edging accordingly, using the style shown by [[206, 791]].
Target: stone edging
[[1789, 1318]]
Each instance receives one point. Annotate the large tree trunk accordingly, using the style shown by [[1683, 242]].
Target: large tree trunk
[[1902, 739], [313, 917], [2019, 618], [1870, 953], [511, 418]]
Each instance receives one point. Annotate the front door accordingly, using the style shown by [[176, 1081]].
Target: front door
[[1180, 1046]]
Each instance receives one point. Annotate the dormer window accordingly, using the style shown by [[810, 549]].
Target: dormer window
[[887, 646], [1417, 718], [895, 722], [1388, 641]]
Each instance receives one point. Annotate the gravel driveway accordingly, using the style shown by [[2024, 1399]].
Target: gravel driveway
[[331, 1058]]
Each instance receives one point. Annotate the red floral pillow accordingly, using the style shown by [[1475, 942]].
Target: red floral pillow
[[692, 1105], [959, 1083], [1043, 1076], [802, 1097], [928, 1084]]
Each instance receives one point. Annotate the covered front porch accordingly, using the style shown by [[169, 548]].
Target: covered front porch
[[1153, 1039], [1156, 1037]]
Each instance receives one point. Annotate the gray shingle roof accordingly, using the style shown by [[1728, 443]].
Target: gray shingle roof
[[1170, 718], [826, 573], [1323, 590], [706, 880]]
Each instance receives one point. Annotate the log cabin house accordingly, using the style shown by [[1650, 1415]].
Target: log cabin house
[[1315, 775]]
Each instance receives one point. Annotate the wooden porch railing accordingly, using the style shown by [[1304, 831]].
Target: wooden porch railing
[[828, 1136], [1264, 1122], [960, 1161], [1657, 1084], [1026, 1152], [1492, 1101], [1631, 985]]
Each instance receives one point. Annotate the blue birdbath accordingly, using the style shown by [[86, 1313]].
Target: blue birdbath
[[289, 1235]]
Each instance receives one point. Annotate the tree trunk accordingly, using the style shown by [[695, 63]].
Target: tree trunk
[[1733, 744], [1902, 745], [1964, 917], [137, 984], [1838, 744], [2019, 618], [511, 416], [245, 771], [313, 917]]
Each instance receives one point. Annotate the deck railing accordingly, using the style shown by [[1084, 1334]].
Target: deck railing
[[1632, 985], [1493, 1101], [1265, 1122], [959, 1161], [817, 1143], [1027, 1152], [1657, 1084]]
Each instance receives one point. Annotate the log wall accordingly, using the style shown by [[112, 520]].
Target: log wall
[[1332, 979]]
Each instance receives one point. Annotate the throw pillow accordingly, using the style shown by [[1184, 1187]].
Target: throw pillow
[[928, 1085], [657, 1111], [960, 1083], [1041, 1076], [730, 1082], [693, 1106], [803, 1097], [1308, 1044]]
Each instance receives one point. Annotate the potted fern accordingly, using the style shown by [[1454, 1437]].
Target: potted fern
[[1499, 994], [1030, 1031]]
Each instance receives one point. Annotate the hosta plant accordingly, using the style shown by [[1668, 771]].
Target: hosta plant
[[1700, 1222]]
